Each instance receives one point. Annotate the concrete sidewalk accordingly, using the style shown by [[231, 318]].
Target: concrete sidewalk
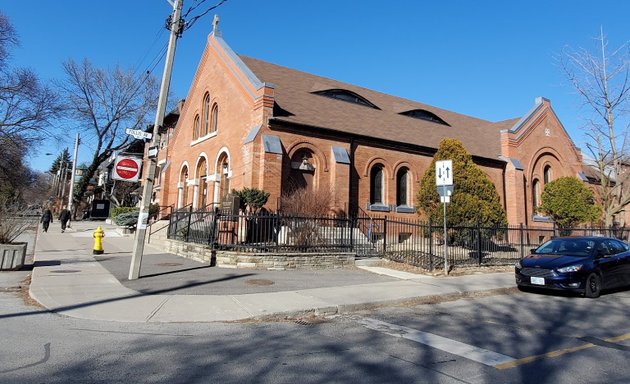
[[69, 280]]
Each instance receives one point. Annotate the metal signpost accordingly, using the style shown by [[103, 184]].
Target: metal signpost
[[444, 183]]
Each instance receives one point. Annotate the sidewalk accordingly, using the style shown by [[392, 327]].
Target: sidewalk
[[69, 280]]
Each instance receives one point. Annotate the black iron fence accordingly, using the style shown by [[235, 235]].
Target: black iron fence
[[410, 241]]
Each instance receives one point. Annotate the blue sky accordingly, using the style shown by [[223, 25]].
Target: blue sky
[[488, 59]]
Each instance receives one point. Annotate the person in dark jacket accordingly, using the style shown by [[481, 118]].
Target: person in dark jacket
[[47, 218], [64, 217]]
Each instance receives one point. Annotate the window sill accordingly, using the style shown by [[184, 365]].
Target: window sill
[[203, 138], [542, 219], [405, 209], [378, 207]]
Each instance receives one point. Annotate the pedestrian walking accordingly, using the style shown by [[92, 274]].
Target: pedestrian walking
[[64, 218], [47, 218]]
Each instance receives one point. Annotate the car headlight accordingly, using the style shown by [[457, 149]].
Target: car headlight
[[518, 265], [570, 268]]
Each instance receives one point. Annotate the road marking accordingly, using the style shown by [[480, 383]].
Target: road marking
[[556, 353], [454, 347]]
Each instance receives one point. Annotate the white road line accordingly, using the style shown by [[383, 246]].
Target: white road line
[[454, 347]]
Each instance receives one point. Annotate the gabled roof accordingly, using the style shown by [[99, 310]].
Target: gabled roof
[[298, 102]]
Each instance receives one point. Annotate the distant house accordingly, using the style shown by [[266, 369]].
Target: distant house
[[250, 123]]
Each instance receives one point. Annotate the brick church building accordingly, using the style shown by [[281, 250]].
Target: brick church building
[[250, 123]]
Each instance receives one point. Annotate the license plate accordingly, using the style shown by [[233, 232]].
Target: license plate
[[538, 280]]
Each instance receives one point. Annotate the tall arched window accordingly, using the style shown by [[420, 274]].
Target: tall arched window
[[206, 114], [536, 195], [376, 184], [402, 185], [183, 178], [215, 118], [202, 198], [547, 174], [196, 128], [224, 180]]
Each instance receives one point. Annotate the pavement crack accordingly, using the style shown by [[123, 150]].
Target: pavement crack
[[157, 309], [42, 361]]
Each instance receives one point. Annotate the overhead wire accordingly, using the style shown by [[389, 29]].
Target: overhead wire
[[192, 21]]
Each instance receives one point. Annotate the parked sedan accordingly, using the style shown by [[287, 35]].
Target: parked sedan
[[581, 264]]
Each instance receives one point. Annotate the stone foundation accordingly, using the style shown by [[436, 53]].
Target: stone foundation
[[269, 261]]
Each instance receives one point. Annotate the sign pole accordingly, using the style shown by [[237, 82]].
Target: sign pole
[[444, 179], [445, 234]]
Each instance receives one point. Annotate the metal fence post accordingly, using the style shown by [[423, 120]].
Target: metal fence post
[[385, 236], [188, 227], [478, 230], [521, 234], [430, 246]]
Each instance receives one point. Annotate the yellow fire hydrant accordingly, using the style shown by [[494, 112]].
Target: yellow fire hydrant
[[98, 240]]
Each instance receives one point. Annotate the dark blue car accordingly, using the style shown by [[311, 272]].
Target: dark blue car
[[581, 264]]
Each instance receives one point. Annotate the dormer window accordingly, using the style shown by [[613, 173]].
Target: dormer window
[[348, 96], [423, 114]]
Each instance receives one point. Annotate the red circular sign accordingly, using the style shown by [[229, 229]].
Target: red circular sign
[[127, 168]]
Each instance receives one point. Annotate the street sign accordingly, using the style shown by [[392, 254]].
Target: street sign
[[444, 172], [127, 168], [152, 152], [138, 134]]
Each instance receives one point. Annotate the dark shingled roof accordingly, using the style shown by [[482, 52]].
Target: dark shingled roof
[[294, 93]]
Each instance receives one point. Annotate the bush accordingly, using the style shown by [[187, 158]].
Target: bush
[[569, 202], [127, 219], [119, 210], [475, 200]]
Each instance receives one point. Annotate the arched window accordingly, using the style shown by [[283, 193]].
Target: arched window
[[202, 198], [215, 117], [206, 114], [536, 195], [183, 191], [376, 184], [196, 128], [547, 174], [224, 180], [402, 185]]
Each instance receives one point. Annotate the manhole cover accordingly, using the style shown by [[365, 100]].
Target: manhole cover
[[66, 271], [259, 282], [169, 264]]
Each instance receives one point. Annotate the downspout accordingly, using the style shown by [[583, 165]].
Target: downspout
[[504, 192], [350, 173]]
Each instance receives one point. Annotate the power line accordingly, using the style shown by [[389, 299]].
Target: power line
[[192, 21]]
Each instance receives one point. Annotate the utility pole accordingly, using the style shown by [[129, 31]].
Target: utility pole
[[74, 169], [141, 227]]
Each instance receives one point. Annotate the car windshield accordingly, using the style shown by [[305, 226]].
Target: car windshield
[[568, 247]]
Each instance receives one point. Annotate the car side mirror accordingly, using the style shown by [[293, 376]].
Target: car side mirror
[[533, 250]]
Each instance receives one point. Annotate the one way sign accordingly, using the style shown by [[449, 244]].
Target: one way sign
[[443, 172]]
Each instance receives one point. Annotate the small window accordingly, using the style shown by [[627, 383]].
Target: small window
[[536, 195], [215, 117], [206, 114], [402, 183], [425, 115], [196, 128], [547, 174], [348, 96], [376, 184]]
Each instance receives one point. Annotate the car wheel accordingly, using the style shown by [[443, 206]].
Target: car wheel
[[593, 286]]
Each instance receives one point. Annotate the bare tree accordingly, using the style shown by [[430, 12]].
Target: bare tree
[[26, 110], [104, 103], [601, 79]]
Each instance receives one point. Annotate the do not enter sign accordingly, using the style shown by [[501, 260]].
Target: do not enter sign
[[127, 168]]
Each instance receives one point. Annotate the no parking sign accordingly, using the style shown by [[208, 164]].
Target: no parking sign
[[127, 168]]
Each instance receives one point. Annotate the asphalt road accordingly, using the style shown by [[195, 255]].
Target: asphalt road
[[515, 338]]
